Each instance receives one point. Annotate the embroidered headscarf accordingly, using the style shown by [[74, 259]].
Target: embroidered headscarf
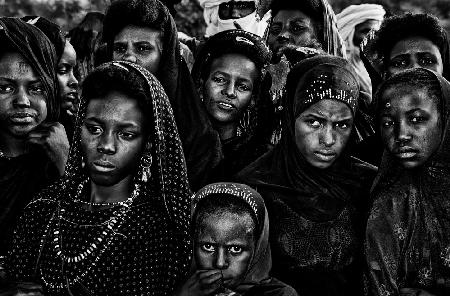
[[39, 52], [407, 240], [261, 262], [347, 20]]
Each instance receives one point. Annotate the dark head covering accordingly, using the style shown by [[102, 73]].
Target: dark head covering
[[51, 30], [319, 194], [408, 238], [142, 242], [201, 144], [257, 280], [39, 52]]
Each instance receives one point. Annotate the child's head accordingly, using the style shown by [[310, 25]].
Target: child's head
[[225, 236]]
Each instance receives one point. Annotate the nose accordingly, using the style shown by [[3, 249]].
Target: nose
[[403, 132], [221, 261], [229, 91], [129, 55], [21, 99], [284, 37], [327, 136], [106, 144], [73, 82]]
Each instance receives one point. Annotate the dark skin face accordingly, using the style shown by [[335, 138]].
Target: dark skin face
[[322, 132], [112, 138], [68, 84], [236, 9], [225, 242], [414, 52], [291, 27], [410, 125], [361, 30]]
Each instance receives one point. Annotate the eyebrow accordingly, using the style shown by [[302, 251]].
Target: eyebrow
[[125, 124], [319, 115]]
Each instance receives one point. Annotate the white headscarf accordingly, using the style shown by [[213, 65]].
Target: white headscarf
[[347, 20], [251, 23]]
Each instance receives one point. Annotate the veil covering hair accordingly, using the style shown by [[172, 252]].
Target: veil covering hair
[[150, 240]]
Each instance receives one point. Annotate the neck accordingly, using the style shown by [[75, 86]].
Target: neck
[[114, 193], [12, 146], [226, 130]]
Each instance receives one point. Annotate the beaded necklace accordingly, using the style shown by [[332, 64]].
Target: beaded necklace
[[102, 242]]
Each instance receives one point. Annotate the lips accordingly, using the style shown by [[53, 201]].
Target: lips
[[326, 156], [103, 166], [406, 152], [225, 106], [22, 117], [72, 96]]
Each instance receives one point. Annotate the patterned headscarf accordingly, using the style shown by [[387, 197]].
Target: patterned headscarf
[[39, 52], [261, 262]]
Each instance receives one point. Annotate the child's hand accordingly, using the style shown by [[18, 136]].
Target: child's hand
[[202, 283]]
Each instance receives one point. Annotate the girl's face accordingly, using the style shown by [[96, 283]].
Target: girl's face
[[23, 104], [322, 132], [112, 138], [410, 125], [225, 241], [68, 84]]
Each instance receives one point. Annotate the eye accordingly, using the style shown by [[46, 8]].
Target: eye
[[426, 61], [93, 129], [418, 119], [128, 135], [387, 123], [275, 29], [313, 123], [296, 28], [243, 87], [143, 48], [399, 63], [235, 250], [218, 79], [6, 89], [119, 48], [343, 125], [36, 89], [63, 70], [208, 248]]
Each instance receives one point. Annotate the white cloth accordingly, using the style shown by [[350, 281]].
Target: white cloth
[[347, 20], [251, 23]]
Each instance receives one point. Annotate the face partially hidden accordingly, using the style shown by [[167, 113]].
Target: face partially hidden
[[362, 29], [410, 125], [236, 9], [415, 52], [140, 45], [23, 104], [291, 27], [225, 241], [322, 132], [112, 138], [229, 88], [68, 84]]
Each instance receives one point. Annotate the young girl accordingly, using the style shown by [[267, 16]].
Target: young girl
[[231, 247]]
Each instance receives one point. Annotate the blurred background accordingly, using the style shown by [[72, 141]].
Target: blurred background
[[189, 17]]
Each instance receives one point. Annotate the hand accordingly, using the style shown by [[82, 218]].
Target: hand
[[201, 283], [52, 139], [414, 292]]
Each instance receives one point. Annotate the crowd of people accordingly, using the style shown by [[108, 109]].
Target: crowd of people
[[290, 151]]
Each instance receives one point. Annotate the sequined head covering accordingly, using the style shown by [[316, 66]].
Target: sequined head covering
[[319, 78], [39, 52], [261, 263]]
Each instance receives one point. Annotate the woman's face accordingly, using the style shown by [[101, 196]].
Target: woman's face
[[225, 241], [112, 138], [140, 45], [229, 88], [322, 132], [410, 125], [415, 52], [22, 96], [68, 84], [236, 9], [291, 27], [362, 29]]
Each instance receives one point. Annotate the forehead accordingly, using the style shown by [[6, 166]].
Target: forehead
[[69, 53], [286, 16], [226, 225], [234, 64], [332, 109], [407, 98], [14, 66], [115, 106], [414, 44], [135, 33]]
